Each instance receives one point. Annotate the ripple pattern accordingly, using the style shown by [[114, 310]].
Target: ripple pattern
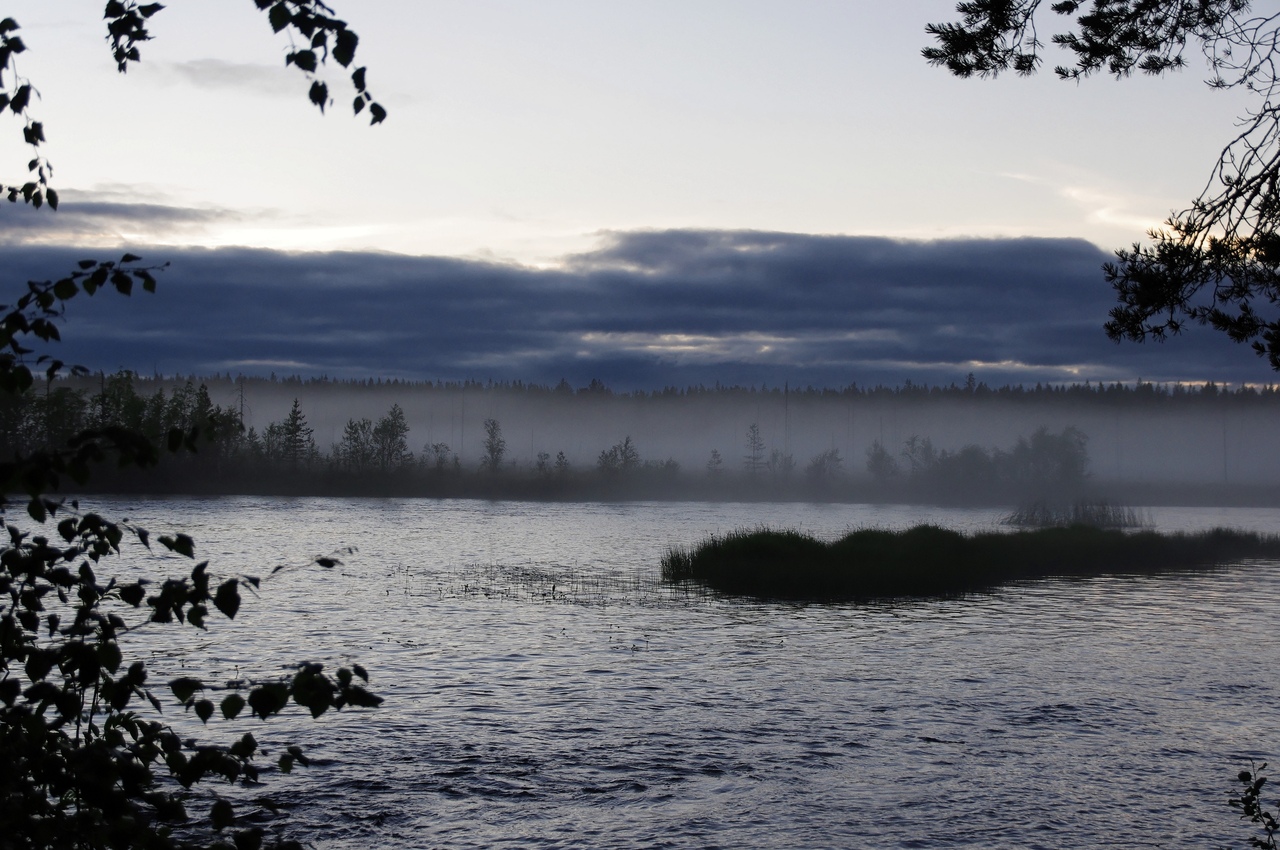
[[543, 689]]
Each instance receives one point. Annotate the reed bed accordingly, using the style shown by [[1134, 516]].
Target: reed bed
[[1096, 513], [930, 561], [558, 584]]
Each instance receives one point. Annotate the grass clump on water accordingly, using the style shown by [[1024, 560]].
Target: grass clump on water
[[1097, 513], [930, 561]]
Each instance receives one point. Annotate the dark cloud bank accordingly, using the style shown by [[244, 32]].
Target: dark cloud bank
[[647, 310]]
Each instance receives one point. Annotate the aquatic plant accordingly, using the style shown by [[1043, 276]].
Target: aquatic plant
[[930, 561], [1099, 513]]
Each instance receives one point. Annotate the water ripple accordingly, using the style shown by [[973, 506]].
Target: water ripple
[[545, 690]]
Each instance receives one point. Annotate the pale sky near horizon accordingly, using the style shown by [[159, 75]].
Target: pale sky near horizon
[[523, 130]]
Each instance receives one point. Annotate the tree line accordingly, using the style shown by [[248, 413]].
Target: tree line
[[375, 456], [82, 758], [1139, 392], [1045, 462]]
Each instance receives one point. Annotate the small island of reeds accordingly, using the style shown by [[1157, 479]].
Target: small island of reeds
[[927, 560]]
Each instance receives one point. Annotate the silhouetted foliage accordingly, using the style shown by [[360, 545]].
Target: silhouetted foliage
[[80, 734], [436, 456], [320, 37], [384, 447], [1135, 395], [391, 441], [881, 465], [1254, 810], [494, 446], [754, 460], [1043, 463], [781, 465], [356, 451], [1217, 262], [825, 465], [620, 458], [81, 740], [291, 441]]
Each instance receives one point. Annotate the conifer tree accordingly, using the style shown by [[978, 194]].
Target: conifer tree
[[297, 441]]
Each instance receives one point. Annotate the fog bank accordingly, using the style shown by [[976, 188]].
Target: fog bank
[[1148, 434]]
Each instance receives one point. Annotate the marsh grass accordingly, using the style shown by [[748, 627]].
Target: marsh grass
[[930, 561], [545, 583], [1095, 513]]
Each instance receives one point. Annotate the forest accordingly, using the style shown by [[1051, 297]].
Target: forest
[[958, 444]]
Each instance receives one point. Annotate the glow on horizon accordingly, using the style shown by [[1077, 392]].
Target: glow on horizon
[[521, 132]]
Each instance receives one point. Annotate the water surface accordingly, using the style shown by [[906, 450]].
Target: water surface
[[544, 689]]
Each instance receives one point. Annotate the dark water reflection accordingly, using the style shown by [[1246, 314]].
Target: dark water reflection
[[544, 690]]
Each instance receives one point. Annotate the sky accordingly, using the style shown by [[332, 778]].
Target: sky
[[652, 193]]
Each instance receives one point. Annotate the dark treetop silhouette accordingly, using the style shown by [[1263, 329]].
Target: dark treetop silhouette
[[1217, 262]]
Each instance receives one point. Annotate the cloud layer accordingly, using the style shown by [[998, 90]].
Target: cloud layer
[[104, 218], [646, 310]]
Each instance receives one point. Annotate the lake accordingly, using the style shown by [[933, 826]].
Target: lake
[[543, 689]]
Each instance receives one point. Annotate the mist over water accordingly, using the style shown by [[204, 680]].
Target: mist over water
[[543, 689], [1219, 440]]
